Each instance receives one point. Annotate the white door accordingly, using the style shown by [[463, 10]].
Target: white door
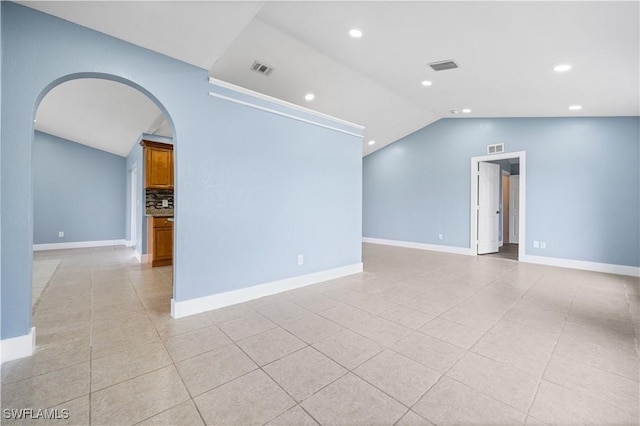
[[488, 207], [514, 209]]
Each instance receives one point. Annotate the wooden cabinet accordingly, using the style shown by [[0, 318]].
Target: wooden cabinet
[[158, 165], [160, 241]]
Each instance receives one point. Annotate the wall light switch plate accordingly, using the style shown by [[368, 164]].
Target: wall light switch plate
[[536, 244], [543, 245], [300, 259], [60, 234]]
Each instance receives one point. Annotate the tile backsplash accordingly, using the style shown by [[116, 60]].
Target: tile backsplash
[[153, 201]]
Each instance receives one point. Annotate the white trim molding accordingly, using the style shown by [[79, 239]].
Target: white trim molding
[[280, 102], [220, 300], [142, 258], [18, 347], [78, 244], [419, 246], [284, 114], [632, 271]]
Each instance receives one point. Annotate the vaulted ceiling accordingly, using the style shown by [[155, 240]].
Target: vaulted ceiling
[[506, 52]]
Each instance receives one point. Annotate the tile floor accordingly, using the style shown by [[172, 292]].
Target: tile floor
[[418, 338]]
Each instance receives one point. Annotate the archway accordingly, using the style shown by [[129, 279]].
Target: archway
[[100, 273]]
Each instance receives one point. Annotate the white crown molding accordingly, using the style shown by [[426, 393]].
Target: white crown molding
[[283, 114], [18, 347], [280, 102], [419, 246], [609, 268], [220, 300], [78, 244]]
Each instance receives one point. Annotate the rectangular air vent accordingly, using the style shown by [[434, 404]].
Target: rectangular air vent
[[443, 65], [261, 68], [495, 148]]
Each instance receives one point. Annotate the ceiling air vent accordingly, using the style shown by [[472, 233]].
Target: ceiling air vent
[[495, 148], [443, 65], [261, 68]]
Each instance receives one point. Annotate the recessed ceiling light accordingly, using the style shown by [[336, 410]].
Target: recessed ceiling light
[[466, 110], [355, 33], [426, 83], [562, 68], [309, 96], [575, 107], [372, 142]]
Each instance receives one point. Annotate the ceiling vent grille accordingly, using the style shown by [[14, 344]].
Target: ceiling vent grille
[[443, 65], [495, 148], [261, 68]]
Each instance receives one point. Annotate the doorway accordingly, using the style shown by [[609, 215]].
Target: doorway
[[494, 219]]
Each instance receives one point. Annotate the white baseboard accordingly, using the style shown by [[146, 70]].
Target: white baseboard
[[608, 268], [420, 246], [220, 300], [18, 347], [78, 244], [128, 243], [142, 258]]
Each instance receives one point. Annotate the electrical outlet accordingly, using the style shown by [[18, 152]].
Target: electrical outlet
[[536, 244], [439, 236], [165, 203], [543, 245], [300, 259], [60, 234]]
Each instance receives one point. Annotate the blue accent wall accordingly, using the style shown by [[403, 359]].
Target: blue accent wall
[[253, 189], [78, 190], [583, 184]]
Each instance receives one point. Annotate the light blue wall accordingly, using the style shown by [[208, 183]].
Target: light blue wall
[[253, 189], [78, 190], [583, 184], [135, 159]]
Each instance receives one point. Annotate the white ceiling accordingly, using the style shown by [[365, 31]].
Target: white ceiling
[[505, 50], [99, 113]]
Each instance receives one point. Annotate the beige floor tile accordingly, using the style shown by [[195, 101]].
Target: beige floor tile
[[119, 339], [271, 345], [229, 313], [313, 329], [398, 376], [500, 381], [295, 416], [345, 315], [184, 414], [540, 316], [429, 351], [187, 345], [412, 419], [47, 390], [555, 404], [350, 400], [74, 412], [451, 402], [316, 302], [522, 347], [246, 326], [381, 330], [127, 364], [611, 388], [137, 399], [304, 372], [173, 327], [348, 348], [253, 399], [451, 332], [618, 358], [406, 316], [284, 313], [212, 369], [46, 359]]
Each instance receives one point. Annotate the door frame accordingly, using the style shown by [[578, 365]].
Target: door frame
[[504, 174], [473, 205], [133, 201]]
